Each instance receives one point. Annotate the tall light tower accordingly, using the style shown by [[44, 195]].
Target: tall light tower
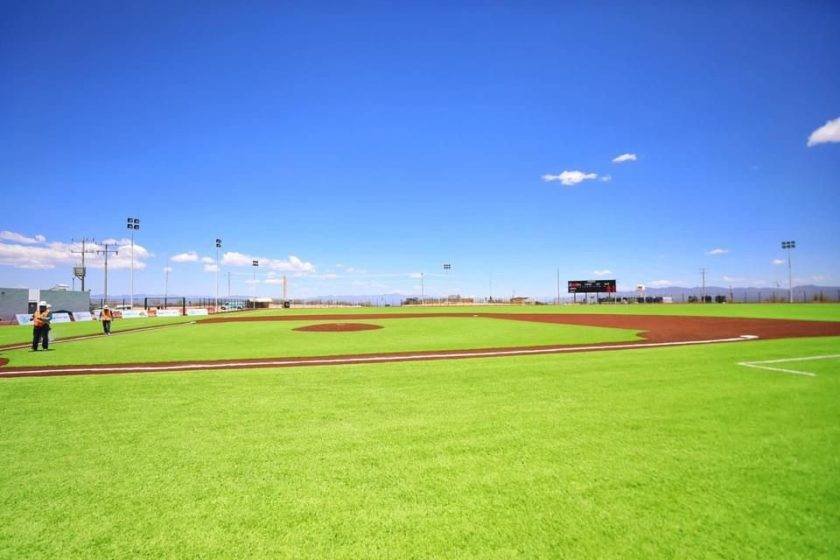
[[133, 224], [789, 246], [703, 274], [254, 264], [218, 269]]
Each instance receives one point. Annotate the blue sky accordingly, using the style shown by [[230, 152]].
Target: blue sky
[[372, 142]]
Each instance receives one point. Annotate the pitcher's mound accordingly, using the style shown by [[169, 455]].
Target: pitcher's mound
[[338, 327]]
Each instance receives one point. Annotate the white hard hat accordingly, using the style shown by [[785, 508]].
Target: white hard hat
[[106, 307], [40, 303]]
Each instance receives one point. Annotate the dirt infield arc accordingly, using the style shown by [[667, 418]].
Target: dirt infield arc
[[657, 331]]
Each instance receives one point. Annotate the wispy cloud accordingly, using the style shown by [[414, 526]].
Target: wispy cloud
[[46, 255], [570, 178], [624, 158], [20, 238], [603, 272], [190, 256], [211, 268], [208, 260], [660, 284], [717, 251], [777, 262], [606, 178], [291, 264], [829, 132]]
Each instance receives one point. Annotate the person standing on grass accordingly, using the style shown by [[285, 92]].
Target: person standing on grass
[[41, 327], [106, 316]]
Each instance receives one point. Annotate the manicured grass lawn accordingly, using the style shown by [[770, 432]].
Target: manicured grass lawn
[[273, 339], [11, 334], [674, 452], [810, 311]]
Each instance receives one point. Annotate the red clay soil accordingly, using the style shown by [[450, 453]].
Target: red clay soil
[[655, 330], [338, 327]]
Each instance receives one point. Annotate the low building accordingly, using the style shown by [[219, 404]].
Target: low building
[[18, 301]]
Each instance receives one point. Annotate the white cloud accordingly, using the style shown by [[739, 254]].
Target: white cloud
[[603, 272], [624, 157], [606, 178], [292, 264], [208, 260], [167, 269], [777, 262], [660, 284], [20, 238], [190, 256], [829, 132], [717, 251], [210, 268], [56, 253], [819, 277], [570, 178]]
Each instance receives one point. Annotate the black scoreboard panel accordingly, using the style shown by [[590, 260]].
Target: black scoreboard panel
[[591, 286]]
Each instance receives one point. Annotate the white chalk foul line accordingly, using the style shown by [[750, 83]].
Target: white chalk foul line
[[355, 360], [761, 364]]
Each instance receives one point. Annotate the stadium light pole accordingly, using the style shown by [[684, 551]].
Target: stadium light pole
[[218, 268], [703, 274], [254, 264], [789, 246], [132, 224]]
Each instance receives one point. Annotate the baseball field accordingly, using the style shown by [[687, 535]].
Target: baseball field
[[572, 431]]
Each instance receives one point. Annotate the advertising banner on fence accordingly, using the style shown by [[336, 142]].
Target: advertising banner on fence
[[168, 313], [133, 314], [23, 318], [82, 316], [61, 318], [196, 312]]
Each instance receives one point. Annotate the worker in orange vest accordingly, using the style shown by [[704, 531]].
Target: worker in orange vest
[[106, 316], [41, 326]]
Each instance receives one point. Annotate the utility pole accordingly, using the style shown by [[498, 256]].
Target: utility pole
[[106, 251], [789, 246], [422, 290], [703, 273], [558, 286], [218, 268], [133, 224], [80, 274]]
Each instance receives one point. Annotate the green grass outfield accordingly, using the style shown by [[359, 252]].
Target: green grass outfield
[[261, 339], [673, 452], [648, 453]]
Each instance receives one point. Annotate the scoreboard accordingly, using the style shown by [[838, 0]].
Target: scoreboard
[[591, 286]]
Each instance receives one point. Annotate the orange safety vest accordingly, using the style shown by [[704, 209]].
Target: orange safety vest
[[106, 315], [38, 318]]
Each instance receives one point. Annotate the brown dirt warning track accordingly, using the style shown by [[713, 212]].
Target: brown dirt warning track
[[657, 331]]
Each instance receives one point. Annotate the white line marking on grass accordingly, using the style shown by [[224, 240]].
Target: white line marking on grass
[[187, 366], [760, 364]]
